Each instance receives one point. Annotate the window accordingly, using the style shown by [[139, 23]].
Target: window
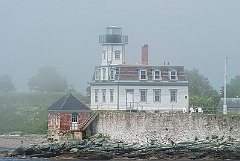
[[143, 95], [51, 122], [173, 95], [104, 73], [96, 95], [157, 74], [111, 95], [173, 75], [143, 74], [117, 54], [157, 95], [74, 118], [111, 74], [104, 95], [97, 74], [104, 55], [56, 119]]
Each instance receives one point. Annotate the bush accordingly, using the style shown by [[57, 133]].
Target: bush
[[27, 112]]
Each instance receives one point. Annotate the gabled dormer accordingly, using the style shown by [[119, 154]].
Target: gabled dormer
[[173, 75]]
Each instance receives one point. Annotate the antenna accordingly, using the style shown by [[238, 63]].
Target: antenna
[[225, 87]]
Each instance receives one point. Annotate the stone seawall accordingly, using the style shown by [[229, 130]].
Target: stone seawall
[[160, 128]]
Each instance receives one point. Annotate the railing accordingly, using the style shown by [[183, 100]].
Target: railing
[[113, 39], [138, 107], [86, 123], [134, 106]]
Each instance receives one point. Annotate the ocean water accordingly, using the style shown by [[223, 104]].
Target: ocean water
[[39, 159]]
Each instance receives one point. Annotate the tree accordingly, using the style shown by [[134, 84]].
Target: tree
[[233, 88], [199, 84], [200, 90], [6, 84], [48, 80]]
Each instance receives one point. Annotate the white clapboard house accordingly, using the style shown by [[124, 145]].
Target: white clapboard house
[[116, 85]]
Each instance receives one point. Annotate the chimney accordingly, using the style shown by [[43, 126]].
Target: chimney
[[145, 54]]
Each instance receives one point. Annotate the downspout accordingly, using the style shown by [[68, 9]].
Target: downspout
[[118, 88]]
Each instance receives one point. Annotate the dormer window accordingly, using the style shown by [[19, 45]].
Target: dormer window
[[143, 75], [157, 74], [117, 54], [104, 55], [112, 75], [104, 74], [173, 75], [97, 74]]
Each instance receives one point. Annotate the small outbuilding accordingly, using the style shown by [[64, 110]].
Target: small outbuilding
[[66, 118], [233, 106]]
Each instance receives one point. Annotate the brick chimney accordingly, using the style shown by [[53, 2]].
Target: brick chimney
[[145, 54]]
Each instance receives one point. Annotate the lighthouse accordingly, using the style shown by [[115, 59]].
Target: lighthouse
[[117, 85], [113, 46]]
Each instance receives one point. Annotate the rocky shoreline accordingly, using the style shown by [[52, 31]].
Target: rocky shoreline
[[13, 141], [103, 148]]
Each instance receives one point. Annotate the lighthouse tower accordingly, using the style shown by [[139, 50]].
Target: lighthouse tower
[[113, 46]]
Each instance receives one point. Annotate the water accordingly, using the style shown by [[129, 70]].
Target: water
[[36, 159]]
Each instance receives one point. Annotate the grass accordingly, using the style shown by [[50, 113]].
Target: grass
[[27, 112]]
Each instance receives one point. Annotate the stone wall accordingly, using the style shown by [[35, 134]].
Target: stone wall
[[148, 128]]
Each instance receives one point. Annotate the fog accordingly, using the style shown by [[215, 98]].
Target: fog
[[64, 34]]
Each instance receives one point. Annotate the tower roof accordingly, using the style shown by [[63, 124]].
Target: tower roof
[[68, 103]]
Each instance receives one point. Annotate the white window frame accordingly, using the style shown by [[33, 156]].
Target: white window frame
[[117, 55], [173, 76], [155, 75], [111, 95], [157, 95], [74, 118], [173, 95], [112, 75], [96, 95], [104, 73], [97, 74], [143, 95], [143, 75], [56, 119], [104, 54], [103, 95]]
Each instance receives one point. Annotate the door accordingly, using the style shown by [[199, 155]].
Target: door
[[74, 125], [129, 99]]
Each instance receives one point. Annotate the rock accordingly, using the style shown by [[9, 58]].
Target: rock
[[4, 153], [104, 148], [74, 150], [44, 147]]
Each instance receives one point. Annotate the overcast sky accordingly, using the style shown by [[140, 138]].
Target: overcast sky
[[64, 34]]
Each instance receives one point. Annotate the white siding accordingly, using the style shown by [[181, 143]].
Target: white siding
[[164, 105], [110, 54]]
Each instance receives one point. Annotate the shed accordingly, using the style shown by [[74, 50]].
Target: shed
[[66, 118], [233, 105]]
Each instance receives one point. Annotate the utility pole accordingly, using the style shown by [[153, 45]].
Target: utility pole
[[225, 87]]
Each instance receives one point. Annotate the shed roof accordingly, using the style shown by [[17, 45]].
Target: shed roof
[[68, 103], [231, 102], [233, 106]]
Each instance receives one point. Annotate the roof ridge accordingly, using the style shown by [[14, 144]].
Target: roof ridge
[[80, 101], [65, 100]]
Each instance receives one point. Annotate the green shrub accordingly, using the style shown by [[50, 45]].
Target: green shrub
[[27, 112]]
